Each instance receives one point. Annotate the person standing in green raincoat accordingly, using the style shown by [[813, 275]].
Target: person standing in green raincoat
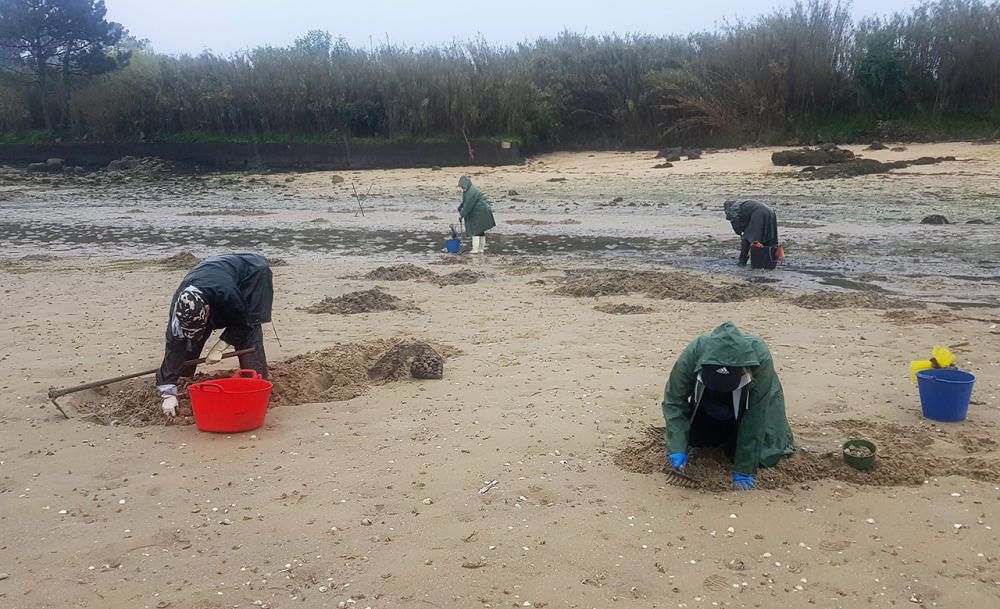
[[477, 213], [723, 391]]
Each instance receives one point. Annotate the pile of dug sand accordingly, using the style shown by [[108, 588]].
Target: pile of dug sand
[[332, 375], [906, 457], [524, 266], [136, 404], [623, 309], [852, 300], [366, 301], [918, 318], [342, 372], [402, 272], [412, 272], [450, 259], [345, 371], [179, 262], [462, 277], [655, 284]]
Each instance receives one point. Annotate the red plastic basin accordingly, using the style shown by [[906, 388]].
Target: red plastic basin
[[231, 405]]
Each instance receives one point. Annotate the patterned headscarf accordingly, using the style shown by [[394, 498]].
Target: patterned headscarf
[[190, 314]]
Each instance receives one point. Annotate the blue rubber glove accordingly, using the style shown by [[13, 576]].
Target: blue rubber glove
[[743, 483], [678, 461]]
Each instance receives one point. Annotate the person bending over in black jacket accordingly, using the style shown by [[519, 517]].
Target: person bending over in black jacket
[[232, 292]]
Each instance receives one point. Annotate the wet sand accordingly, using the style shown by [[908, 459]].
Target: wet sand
[[375, 501], [861, 233]]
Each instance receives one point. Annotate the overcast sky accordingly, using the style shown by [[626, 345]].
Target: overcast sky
[[225, 26]]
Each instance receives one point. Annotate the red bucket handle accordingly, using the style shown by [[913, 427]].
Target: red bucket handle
[[207, 385], [243, 373]]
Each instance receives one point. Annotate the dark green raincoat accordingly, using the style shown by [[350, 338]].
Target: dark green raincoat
[[763, 435], [475, 209]]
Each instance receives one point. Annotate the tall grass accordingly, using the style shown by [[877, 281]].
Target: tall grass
[[798, 73]]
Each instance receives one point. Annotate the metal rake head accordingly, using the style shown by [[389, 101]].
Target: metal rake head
[[676, 478]]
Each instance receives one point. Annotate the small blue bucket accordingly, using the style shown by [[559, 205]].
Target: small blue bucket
[[453, 246], [945, 394]]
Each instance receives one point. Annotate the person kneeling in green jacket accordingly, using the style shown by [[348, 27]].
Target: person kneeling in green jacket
[[723, 391]]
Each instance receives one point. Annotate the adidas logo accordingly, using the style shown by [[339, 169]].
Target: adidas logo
[[722, 370]]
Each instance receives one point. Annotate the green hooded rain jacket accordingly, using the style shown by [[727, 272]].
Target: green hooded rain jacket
[[763, 436], [475, 209]]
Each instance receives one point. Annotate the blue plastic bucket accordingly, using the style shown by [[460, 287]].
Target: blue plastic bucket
[[945, 394], [453, 246]]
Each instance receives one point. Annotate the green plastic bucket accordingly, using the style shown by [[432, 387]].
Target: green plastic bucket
[[862, 463]]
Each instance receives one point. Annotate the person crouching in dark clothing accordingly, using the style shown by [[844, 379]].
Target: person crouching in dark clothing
[[755, 223]]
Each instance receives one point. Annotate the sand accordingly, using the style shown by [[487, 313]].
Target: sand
[[462, 277], [371, 493]]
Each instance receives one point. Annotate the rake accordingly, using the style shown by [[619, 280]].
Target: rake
[[676, 478], [55, 394]]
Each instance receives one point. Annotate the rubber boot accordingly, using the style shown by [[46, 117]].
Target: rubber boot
[[482, 244], [476, 245]]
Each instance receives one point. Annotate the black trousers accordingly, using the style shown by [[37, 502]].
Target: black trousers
[[240, 337], [707, 432], [245, 338], [744, 252]]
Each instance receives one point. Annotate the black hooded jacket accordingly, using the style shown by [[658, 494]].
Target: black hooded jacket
[[753, 221], [237, 287]]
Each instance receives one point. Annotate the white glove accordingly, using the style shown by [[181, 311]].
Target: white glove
[[169, 405], [215, 353]]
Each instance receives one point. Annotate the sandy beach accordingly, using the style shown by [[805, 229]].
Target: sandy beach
[[362, 492]]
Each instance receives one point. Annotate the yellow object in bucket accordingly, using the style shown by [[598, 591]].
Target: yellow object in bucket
[[941, 357]]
